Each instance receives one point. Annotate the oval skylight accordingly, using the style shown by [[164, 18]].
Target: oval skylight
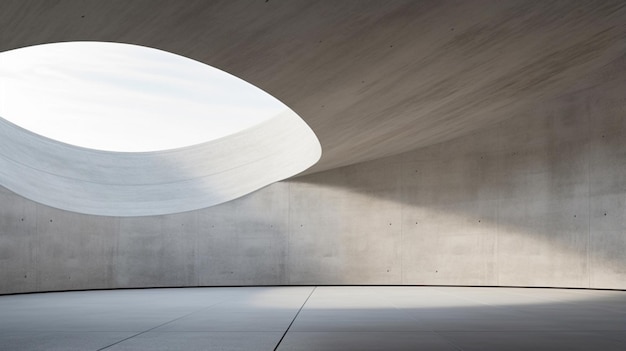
[[126, 98], [122, 130]]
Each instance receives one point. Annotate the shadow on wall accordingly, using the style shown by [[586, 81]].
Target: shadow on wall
[[538, 200]]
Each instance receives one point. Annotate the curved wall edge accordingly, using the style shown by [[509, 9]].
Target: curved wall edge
[[153, 183]]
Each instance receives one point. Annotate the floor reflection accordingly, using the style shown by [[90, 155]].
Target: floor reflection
[[316, 318]]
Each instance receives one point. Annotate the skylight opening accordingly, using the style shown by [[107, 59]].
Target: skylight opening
[[125, 98]]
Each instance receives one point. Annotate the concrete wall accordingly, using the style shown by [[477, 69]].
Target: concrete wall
[[536, 200]]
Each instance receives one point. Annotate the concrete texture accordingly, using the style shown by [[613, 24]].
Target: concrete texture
[[537, 200], [371, 78], [255, 250], [346, 236], [160, 182], [511, 115], [315, 318]]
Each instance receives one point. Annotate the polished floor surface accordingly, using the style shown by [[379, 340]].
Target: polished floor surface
[[316, 318]]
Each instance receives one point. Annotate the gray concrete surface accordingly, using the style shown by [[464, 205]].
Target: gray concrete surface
[[511, 115], [315, 318], [537, 200], [372, 78]]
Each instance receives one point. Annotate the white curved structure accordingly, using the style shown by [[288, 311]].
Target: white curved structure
[[125, 130], [152, 183]]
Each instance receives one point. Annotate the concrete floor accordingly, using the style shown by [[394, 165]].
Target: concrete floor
[[316, 318]]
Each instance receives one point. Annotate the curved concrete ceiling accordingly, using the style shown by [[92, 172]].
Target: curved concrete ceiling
[[123, 130], [371, 78], [152, 183]]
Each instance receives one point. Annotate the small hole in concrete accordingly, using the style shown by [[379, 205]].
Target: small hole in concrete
[[24, 276], [605, 213], [479, 221], [50, 221], [574, 216], [436, 271], [389, 223], [387, 270], [22, 219]]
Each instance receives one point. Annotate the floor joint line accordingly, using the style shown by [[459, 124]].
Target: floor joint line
[[294, 319], [158, 326]]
